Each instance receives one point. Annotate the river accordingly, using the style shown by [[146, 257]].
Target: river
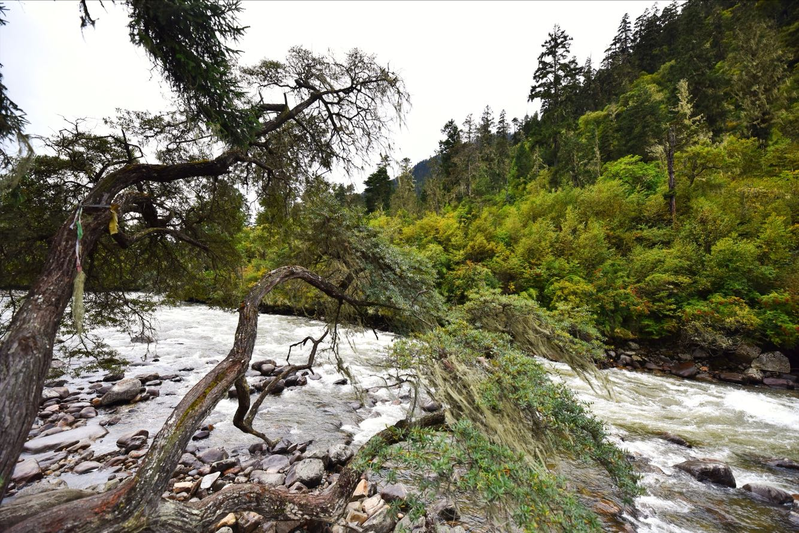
[[734, 424]]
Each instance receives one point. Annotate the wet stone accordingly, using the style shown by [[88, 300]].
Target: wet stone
[[769, 493], [275, 463], [340, 454], [86, 466], [212, 455], [122, 392], [202, 434], [273, 479], [709, 470], [25, 471], [309, 472]]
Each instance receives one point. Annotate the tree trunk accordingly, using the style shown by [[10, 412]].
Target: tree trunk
[[27, 350]]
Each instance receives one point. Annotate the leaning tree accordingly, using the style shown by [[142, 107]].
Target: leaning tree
[[327, 112]]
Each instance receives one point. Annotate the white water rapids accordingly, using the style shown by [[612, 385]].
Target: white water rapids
[[734, 424]]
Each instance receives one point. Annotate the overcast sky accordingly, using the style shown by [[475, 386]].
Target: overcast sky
[[455, 57]]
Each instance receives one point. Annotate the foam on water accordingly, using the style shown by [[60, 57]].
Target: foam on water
[[759, 408]]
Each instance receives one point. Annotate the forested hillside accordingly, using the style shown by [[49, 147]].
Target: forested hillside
[[653, 197]]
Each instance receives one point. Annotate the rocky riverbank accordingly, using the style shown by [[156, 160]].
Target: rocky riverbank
[[63, 451], [747, 365]]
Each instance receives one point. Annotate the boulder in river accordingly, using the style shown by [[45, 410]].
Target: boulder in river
[[769, 493], [772, 362], [783, 463], [123, 391], [710, 470], [675, 439]]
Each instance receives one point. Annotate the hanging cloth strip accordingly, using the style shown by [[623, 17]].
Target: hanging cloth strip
[[113, 224], [80, 279]]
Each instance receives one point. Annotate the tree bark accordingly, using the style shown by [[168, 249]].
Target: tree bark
[[27, 350], [114, 511]]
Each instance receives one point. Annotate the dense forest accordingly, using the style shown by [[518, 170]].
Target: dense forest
[[653, 198]]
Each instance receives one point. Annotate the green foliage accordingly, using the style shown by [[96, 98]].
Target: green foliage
[[188, 40], [508, 415], [377, 194], [720, 323], [513, 489]]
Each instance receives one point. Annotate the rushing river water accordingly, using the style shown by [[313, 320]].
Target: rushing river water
[[737, 425]]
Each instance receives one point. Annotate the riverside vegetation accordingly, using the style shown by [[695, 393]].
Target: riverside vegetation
[[653, 199]]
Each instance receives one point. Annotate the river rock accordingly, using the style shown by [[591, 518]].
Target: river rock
[[189, 460], [202, 434], [25, 471], [296, 381], [699, 354], [625, 360], [86, 466], [339, 454], [772, 362], [224, 465], [394, 492], [54, 393], [212, 455], [282, 446], [753, 375], [746, 353], [685, 370], [361, 490], [122, 392], [64, 439], [270, 479], [208, 480], [769, 493], [275, 463], [732, 377], [309, 472], [777, 383], [126, 439], [675, 439], [710, 470], [406, 525], [248, 521], [783, 463], [381, 522], [258, 364]]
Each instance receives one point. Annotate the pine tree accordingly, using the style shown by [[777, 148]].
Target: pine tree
[[556, 74], [377, 194], [555, 83], [620, 47]]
